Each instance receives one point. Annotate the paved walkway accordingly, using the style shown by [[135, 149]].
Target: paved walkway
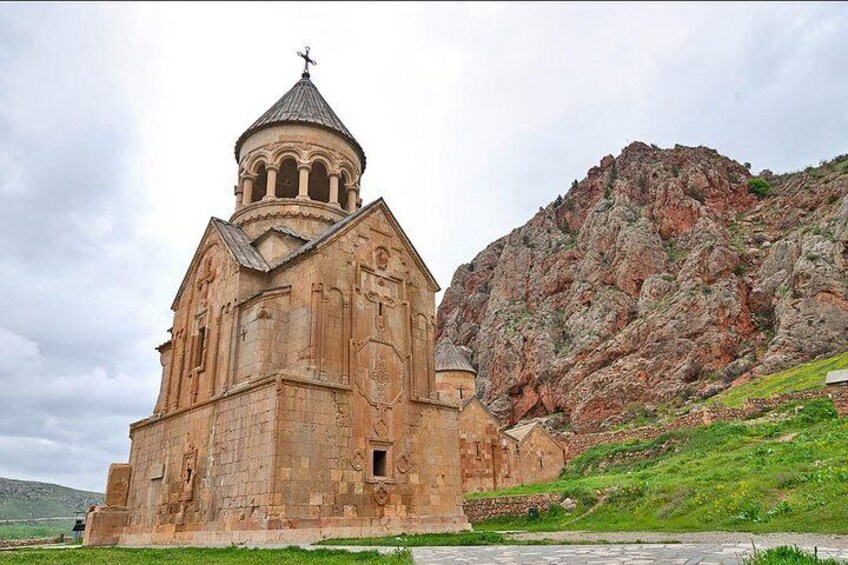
[[629, 554]]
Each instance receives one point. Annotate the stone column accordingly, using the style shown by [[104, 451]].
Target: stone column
[[334, 189], [352, 195], [272, 183], [237, 191], [303, 184], [246, 190]]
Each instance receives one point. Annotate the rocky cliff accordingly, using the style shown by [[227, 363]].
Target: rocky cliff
[[659, 278]]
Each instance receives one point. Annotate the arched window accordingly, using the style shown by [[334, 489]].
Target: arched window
[[319, 182], [344, 181], [287, 180], [259, 184]]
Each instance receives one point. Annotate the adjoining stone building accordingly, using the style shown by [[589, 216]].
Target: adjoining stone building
[[492, 456], [298, 395]]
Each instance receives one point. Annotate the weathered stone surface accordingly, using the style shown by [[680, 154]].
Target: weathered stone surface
[[298, 396], [493, 457], [118, 484], [479, 509], [656, 275]]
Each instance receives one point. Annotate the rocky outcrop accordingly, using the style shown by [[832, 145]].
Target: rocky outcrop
[[658, 278]]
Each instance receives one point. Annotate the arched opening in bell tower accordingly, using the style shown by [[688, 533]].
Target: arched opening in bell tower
[[259, 184], [319, 182], [344, 181], [287, 180]]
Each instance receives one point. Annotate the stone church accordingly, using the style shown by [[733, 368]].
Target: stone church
[[298, 396]]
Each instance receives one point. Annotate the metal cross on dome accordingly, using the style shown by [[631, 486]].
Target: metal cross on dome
[[307, 60]]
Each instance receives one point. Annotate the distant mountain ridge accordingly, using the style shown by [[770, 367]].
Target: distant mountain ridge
[[20, 500], [664, 276]]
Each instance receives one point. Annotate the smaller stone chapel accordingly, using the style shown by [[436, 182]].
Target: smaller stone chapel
[[298, 397]]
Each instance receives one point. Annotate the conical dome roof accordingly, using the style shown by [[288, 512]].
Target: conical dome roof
[[302, 104], [450, 358]]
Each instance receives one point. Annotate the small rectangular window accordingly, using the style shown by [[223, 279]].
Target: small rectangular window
[[379, 462]]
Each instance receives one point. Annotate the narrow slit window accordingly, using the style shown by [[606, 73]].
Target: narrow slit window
[[379, 462], [200, 350]]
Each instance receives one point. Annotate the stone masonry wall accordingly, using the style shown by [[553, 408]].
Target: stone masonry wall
[[479, 509]]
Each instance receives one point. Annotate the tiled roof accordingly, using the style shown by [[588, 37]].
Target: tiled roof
[[290, 232], [302, 104], [326, 234], [521, 432], [450, 358], [239, 245]]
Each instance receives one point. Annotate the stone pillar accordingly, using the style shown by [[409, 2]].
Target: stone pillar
[[334, 189], [246, 190], [303, 183], [271, 187], [237, 191], [352, 197]]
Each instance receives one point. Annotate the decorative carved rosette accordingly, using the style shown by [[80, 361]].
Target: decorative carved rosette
[[404, 463], [381, 494], [357, 460]]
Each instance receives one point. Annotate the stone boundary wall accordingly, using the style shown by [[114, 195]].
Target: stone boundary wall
[[30, 541], [479, 509], [575, 444]]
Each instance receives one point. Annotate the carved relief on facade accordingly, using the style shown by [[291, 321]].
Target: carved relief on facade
[[381, 258], [357, 459], [381, 494], [331, 328], [188, 474]]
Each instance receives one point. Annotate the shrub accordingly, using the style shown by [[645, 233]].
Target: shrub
[[760, 187], [785, 555]]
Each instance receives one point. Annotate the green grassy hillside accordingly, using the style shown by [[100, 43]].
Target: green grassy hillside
[[21, 500], [787, 471], [802, 377]]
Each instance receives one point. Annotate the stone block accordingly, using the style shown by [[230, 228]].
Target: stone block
[[118, 484]]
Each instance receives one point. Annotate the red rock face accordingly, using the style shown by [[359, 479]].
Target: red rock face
[[658, 278]]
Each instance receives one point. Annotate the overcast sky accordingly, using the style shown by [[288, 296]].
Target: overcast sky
[[117, 126]]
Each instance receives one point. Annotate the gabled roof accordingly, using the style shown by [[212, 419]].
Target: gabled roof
[[348, 222], [450, 358], [283, 230], [524, 431], [302, 104], [240, 246], [235, 242], [247, 256], [479, 403]]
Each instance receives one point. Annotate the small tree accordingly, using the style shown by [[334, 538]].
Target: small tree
[[759, 186]]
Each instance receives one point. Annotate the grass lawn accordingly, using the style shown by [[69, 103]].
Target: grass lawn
[[23, 530], [802, 377], [200, 556], [787, 472]]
